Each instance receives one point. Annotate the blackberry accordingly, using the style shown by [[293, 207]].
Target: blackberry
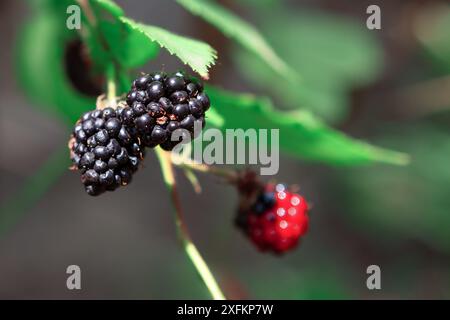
[[160, 103], [106, 148]]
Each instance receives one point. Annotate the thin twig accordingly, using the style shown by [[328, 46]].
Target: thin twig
[[84, 4], [111, 75], [180, 161], [192, 252], [190, 175]]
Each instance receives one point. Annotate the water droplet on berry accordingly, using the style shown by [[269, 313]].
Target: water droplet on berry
[[295, 201], [281, 195], [281, 212], [283, 224], [292, 211]]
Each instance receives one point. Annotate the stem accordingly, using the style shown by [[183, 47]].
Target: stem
[[230, 175], [111, 86], [84, 4], [192, 252], [190, 175]]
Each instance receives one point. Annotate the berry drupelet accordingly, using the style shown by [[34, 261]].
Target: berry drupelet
[[106, 149], [275, 220], [160, 103]]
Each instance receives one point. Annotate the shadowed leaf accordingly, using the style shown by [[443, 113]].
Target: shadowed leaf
[[41, 68], [111, 39]]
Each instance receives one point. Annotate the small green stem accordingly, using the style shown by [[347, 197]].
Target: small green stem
[[111, 85], [192, 252], [186, 163], [190, 175]]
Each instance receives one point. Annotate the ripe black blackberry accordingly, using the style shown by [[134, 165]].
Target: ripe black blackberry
[[161, 103], [106, 149]]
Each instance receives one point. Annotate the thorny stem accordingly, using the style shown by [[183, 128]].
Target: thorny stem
[[192, 252]]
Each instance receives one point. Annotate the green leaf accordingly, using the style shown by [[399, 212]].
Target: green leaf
[[215, 118], [240, 31], [301, 134], [34, 188], [333, 54], [197, 54], [110, 39], [40, 67], [107, 38]]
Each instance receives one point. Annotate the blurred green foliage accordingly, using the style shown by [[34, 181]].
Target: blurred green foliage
[[240, 31], [429, 31], [113, 40], [40, 65], [412, 203], [394, 206], [332, 54]]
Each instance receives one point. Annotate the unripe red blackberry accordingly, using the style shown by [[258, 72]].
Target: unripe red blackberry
[[105, 147], [162, 103], [275, 219]]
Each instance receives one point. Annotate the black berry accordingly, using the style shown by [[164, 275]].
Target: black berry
[[161, 103], [155, 90], [175, 83], [181, 111], [179, 97], [105, 148], [142, 82]]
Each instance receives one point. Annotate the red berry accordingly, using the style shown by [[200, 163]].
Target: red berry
[[277, 220]]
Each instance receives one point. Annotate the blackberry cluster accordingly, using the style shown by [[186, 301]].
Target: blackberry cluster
[[160, 103], [105, 149], [108, 144]]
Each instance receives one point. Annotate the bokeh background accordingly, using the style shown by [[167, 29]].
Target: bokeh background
[[388, 86]]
